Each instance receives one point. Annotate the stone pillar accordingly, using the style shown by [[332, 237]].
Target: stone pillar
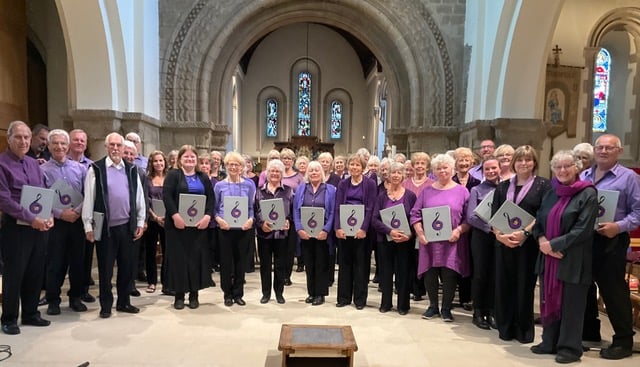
[[13, 67], [204, 135], [99, 123], [432, 139]]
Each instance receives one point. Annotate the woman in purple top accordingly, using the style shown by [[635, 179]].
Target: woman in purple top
[[482, 248], [292, 179], [354, 257], [156, 172], [315, 193], [272, 242], [395, 252], [448, 258]]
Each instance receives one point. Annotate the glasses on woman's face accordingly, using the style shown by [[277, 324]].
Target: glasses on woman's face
[[233, 164]]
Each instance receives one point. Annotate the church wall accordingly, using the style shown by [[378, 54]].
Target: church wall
[[46, 32], [338, 67]]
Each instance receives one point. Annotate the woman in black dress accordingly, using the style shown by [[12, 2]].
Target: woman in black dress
[[188, 265], [516, 253]]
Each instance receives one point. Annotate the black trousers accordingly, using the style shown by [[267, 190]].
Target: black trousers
[[609, 263], [65, 252], [417, 282], [117, 247], [449, 279], [23, 252], [272, 251], [154, 233], [483, 278], [316, 261], [394, 258], [234, 248], [292, 243], [565, 335], [515, 287], [87, 264], [354, 262]]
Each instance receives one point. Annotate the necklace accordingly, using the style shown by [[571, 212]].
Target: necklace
[[395, 195]]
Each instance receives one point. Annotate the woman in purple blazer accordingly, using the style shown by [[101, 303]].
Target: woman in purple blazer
[[353, 255]]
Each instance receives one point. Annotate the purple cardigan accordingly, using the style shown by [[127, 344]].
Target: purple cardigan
[[329, 207], [408, 200], [370, 194]]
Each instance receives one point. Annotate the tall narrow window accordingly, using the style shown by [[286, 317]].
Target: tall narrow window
[[272, 118], [304, 104], [601, 90], [336, 119]]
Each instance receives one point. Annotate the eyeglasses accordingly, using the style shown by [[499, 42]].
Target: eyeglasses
[[604, 148], [487, 146], [233, 164]]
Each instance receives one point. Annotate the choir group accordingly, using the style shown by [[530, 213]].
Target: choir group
[[484, 224]]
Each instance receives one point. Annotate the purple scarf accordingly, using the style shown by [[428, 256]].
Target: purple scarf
[[551, 305], [523, 192]]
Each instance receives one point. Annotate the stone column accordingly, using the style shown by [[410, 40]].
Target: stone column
[[436, 139], [13, 67], [99, 123], [205, 136]]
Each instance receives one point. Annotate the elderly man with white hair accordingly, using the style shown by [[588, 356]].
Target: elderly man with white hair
[[140, 160]]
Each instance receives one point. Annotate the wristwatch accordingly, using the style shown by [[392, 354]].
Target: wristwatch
[[526, 233]]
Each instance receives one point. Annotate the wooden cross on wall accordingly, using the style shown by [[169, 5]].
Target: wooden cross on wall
[[556, 55]]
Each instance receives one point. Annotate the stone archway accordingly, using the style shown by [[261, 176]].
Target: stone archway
[[423, 66]]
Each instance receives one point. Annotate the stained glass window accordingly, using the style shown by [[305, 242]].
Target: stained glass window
[[601, 90], [336, 119], [272, 118], [304, 104]]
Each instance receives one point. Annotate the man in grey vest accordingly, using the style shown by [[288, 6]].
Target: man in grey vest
[[113, 191]]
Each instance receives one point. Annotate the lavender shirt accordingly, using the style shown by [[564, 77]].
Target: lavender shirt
[[454, 256], [282, 192], [478, 193], [15, 173], [225, 188], [84, 161], [627, 183], [69, 171], [292, 181]]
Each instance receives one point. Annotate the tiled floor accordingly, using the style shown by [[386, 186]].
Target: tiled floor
[[215, 335]]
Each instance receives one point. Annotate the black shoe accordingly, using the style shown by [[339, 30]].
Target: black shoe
[[287, 282], [430, 313], [300, 269], [127, 309], [265, 299], [318, 301], [239, 301], [168, 292], [11, 329], [76, 305], [492, 322], [446, 315], [228, 302], [194, 303], [417, 297], [105, 314], [280, 299], [178, 304], [340, 304], [539, 349], [480, 322], [135, 293], [36, 321], [53, 309], [87, 298], [537, 321], [561, 358], [402, 312], [615, 352], [309, 299], [467, 306], [375, 279], [43, 301], [360, 307], [384, 309]]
